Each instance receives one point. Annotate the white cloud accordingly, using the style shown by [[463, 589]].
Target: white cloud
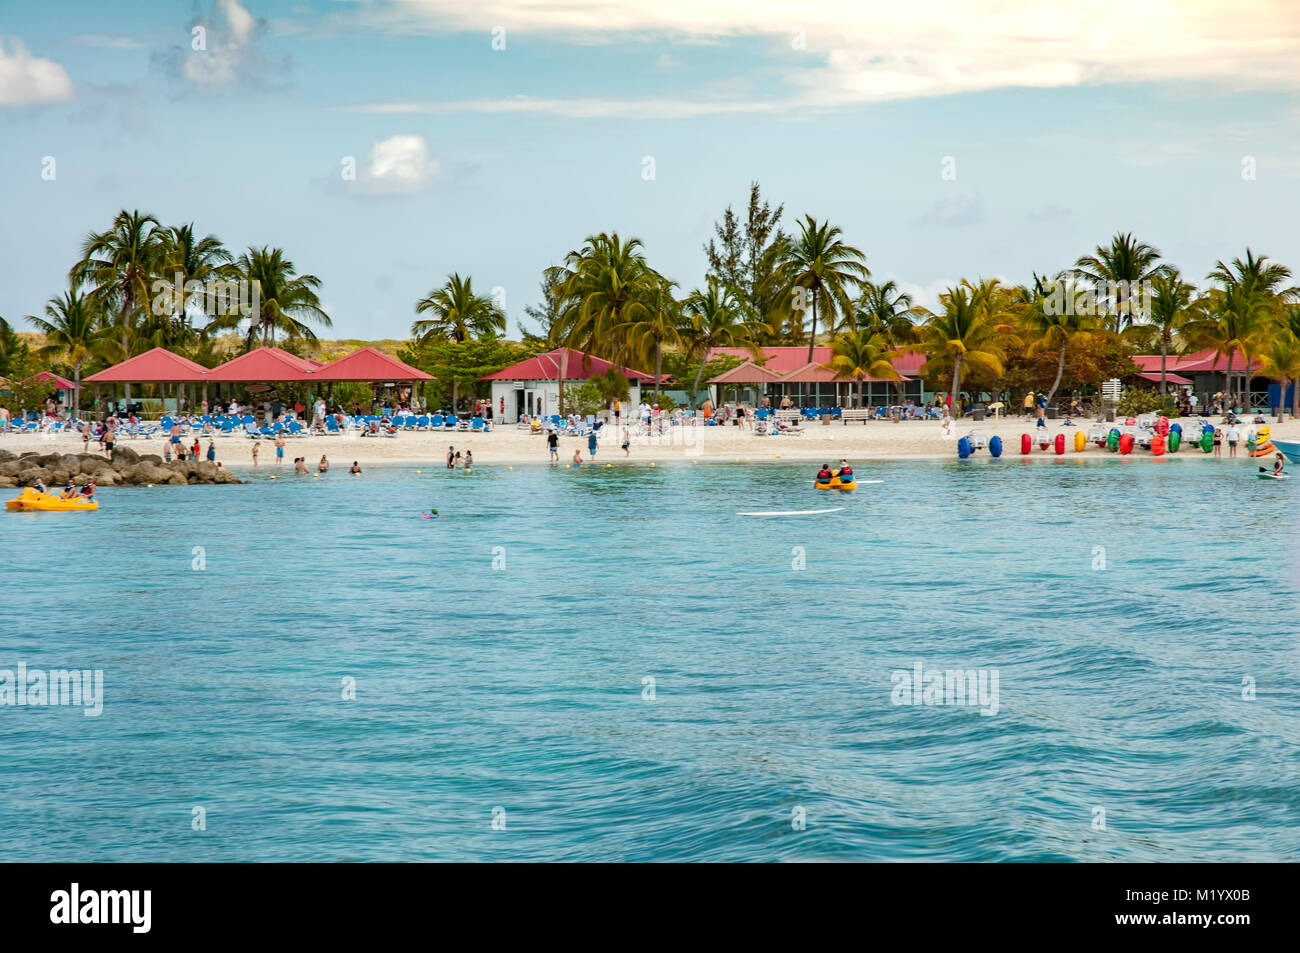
[[221, 51], [27, 80], [109, 41], [398, 164], [853, 52], [582, 108]]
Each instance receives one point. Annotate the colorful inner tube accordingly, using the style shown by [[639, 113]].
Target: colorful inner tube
[[1175, 440], [1112, 439], [1080, 441], [995, 446], [1126, 443], [1207, 440], [1158, 445], [1026, 443], [1059, 443], [963, 448]]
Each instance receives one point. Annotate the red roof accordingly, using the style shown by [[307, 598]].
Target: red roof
[[62, 383], [1199, 362], [785, 359], [159, 366], [747, 373], [264, 365], [547, 367], [370, 366], [1170, 378]]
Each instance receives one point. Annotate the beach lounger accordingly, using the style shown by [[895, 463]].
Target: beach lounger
[[477, 425], [435, 422], [250, 430]]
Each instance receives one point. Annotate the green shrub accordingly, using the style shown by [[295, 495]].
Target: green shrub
[[1137, 400]]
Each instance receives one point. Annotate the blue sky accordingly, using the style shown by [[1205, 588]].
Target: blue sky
[[1064, 127]]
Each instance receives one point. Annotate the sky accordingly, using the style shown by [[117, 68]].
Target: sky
[[385, 144]]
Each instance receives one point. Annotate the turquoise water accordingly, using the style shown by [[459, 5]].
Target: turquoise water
[[521, 688]]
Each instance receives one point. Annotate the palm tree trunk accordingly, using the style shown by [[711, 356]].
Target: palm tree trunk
[[659, 363], [955, 397], [699, 372], [455, 395], [76, 391], [1227, 387], [812, 336], [1060, 369], [1164, 349]]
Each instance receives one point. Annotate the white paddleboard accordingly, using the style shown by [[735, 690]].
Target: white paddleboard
[[791, 512]]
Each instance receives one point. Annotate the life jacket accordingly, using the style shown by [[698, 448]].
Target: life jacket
[[824, 476]]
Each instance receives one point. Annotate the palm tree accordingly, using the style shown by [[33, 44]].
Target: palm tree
[[1280, 360], [119, 267], [654, 326], [861, 354], [1254, 275], [973, 330], [189, 260], [884, 310], [817, 266], [1049, 328], [713, 318], [601, 289], [458, 313], [73, 330], [1235, 320], [1172, 309], [1123, 266], [286, 300]]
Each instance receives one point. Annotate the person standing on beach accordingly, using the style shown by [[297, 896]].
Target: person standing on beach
[[591, 443], [618, 410], [279, 448], [451, 458], [1029, 404], [1233, 436], [627, 443], [212, 451], [553, 443], [255, 446]]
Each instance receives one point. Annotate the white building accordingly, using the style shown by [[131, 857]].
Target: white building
[[532, 387]]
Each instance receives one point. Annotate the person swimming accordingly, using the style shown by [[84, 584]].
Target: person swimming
[[432, 514], [356, 467]]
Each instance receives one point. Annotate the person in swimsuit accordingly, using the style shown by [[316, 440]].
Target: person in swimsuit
[[553, 442], [451, 458], [323, 466], [469, 459], [1277, 466], [69, 492], [355, 467], [627, 443], [255, 446], [577, 458], [212, 452], [279, 449], [1218, 442]]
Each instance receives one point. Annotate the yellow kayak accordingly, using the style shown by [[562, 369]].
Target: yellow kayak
[[32, 499]]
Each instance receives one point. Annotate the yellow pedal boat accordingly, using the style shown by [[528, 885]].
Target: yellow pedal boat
[[836, 483], [33, 499]]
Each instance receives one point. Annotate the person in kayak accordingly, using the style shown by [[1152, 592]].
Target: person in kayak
[[824, 474]]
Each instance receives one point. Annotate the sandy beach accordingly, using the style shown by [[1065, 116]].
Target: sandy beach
[[875, 440]]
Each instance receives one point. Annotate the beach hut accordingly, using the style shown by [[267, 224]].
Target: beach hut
[[369, 366], [158, 366], [746, 383], [818, 387], [532, 387]]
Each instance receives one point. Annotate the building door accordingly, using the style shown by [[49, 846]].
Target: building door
[[519, 404], [534, 405]]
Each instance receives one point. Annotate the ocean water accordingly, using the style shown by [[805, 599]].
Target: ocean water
[[1129, 608]]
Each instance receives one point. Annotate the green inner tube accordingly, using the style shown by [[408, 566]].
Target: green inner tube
[[1112, 440], [1207, 441], [1175, 438]]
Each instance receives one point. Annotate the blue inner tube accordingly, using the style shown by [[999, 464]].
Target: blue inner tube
[[995, 445], [963, 448]]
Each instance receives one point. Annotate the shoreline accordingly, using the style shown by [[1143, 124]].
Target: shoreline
[[873, 442]]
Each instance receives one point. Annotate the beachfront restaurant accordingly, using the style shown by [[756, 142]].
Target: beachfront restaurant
[[782, 372], [1205, 373], [531, 388]]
